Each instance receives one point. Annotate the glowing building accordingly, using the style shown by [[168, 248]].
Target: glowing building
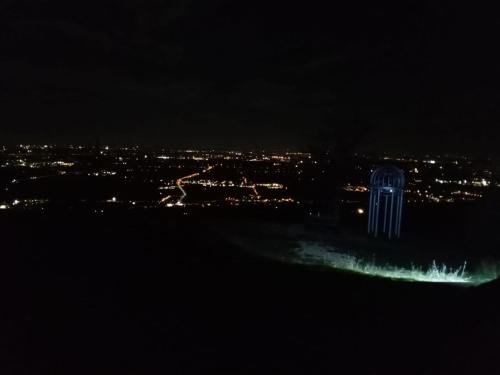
[[386, 202]]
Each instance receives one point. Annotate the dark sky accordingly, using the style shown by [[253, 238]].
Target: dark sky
[[417, 76]]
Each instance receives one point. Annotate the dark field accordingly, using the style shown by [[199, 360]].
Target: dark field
[[130, 293]]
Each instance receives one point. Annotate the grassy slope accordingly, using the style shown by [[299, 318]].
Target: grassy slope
[[143, 294]]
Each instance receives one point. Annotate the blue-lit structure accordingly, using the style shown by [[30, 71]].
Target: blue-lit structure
[[386, 201]]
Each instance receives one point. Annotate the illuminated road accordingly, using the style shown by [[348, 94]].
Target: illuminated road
[[185, 178], [253, 187]]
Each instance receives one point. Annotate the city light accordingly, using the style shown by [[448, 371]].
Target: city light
[[266, 175]]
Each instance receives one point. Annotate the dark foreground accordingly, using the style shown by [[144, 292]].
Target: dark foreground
[[137, 294]]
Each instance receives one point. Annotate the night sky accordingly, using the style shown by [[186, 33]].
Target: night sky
[[420, 76]]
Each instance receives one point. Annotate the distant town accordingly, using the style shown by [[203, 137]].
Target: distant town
[[99, 178]]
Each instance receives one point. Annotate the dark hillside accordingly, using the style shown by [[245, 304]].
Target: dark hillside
[[128, 294]]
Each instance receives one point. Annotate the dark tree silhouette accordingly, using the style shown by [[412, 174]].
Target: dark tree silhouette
[[335, 146], [484, 218]]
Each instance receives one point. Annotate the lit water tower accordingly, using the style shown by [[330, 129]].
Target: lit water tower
[[386, 201]]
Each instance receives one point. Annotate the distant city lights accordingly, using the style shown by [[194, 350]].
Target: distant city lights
[[231, 178]]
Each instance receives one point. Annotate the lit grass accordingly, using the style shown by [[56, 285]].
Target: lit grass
[[314, 253]]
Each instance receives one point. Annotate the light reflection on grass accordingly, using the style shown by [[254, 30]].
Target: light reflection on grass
[[314, 253]]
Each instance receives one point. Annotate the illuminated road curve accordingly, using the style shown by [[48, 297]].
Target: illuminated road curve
[[185, 178]]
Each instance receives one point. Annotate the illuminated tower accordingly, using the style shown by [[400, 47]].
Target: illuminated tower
[[386, 201]]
